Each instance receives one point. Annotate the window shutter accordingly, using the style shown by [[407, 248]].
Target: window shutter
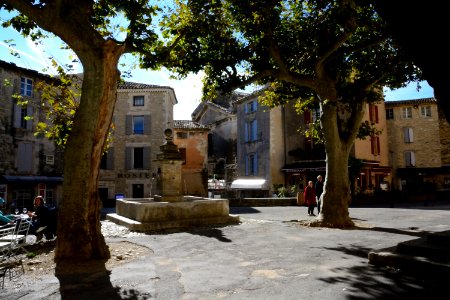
[[255, 164], [411, 135], [246, 108], [371, 110], [146, 158], [110, 159], [25, 157], [17, 115], [376, 114], [406, 134], [246, 131], [128, 158], [413, 159], [147, 124], [246, 165], [255, 105], [254, 130], [129, 125], [378, 146]]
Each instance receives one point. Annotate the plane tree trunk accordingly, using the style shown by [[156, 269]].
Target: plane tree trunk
[[79, 227], [339, 140]]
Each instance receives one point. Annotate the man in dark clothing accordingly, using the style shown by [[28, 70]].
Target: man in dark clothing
[[319, 190]]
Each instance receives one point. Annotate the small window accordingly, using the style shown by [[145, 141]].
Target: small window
[[389, 114], [407, 112], [138, 158], [138, 101], [425, 111], [26, 87], [251, 106], [182, 135], [49, 159], [23, 117], [183, 154], [138, 124]]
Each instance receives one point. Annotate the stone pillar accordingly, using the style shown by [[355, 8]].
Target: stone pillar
[[170, 162]]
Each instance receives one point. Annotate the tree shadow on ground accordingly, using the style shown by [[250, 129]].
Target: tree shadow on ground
[[211, 233], [373, 282], [91, 280]]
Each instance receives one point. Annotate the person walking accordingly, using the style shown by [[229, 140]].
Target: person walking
[[310, 197], [319, 190]]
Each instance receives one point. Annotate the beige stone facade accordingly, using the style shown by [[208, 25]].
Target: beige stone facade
[[29, 164], [418, 140], [141, 115]]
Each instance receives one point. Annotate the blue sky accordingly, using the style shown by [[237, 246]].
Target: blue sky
[[188, 91]]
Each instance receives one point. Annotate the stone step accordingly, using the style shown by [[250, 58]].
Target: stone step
[[427, 257], [422, 247]]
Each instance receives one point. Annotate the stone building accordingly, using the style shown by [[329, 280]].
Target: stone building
[[419, 139], [192, 141], [220, 116], [373, 152], [29, 164], [141, 115]]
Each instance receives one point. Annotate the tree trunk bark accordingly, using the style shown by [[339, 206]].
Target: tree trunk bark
[[79, 228], [336, 194]]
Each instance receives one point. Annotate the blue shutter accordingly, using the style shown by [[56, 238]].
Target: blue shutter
[[254, 130], [246, 131], [246, 165]]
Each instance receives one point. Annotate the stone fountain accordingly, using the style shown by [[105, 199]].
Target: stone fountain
[[170, 209]]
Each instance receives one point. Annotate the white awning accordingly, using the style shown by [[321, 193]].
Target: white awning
[[249, 184]]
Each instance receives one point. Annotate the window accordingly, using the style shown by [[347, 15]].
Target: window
[[407, 112], [49, 197], [410, 159], [251, 165], [26, 87], [373, 113], [49, 159], [138, 101], [182, 135], [375, 145], [107, 162], [389, 114], [137, 158], [408, 136], [20, 116], [183, 154], [251, 106], [425, 111], [138, 124], [251, 131]]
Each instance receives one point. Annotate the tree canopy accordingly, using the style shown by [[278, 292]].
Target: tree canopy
[[334, 54]]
